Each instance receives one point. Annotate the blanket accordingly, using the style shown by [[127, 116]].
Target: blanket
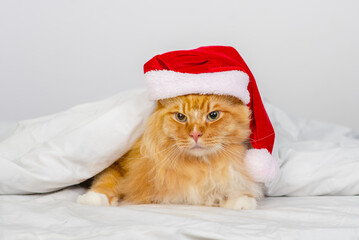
[[53, 152]]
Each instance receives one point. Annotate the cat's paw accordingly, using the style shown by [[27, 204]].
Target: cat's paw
[[93, 198], [240, 203]]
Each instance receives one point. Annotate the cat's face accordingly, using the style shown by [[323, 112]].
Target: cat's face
[[204, 124]]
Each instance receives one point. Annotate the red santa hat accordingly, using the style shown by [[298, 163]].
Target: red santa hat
[[217, 70]]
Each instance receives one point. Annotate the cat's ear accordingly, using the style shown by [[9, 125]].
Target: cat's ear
[[168, 101], [164, 102], [161, 102], [228, 99], [234, 100]]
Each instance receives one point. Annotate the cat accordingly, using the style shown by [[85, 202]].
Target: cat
[[191, 152]]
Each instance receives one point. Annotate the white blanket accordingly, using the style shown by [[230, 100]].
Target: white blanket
[[63, 149], [316, 158]]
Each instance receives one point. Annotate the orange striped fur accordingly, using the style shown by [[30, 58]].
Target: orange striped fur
[[163, 166]]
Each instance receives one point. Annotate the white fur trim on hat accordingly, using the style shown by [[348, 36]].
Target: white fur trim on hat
[[163, 84], [261, 165]]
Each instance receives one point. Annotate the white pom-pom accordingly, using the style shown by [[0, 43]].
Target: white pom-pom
[[261, 165]]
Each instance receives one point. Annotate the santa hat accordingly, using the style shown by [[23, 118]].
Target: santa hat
[[217, 70]]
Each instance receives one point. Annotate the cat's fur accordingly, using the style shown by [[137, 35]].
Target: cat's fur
[[163, 166]]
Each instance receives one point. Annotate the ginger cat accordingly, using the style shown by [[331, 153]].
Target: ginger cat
[[190, 153]]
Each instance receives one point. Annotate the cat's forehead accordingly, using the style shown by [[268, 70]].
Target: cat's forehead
[[194, 102]]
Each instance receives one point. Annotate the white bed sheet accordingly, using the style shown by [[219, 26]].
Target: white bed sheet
[[57, 216]]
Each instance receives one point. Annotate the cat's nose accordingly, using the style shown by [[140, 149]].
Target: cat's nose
[[195, 135]]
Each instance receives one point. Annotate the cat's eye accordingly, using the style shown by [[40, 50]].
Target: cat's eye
[[180, 117], [213, 116]]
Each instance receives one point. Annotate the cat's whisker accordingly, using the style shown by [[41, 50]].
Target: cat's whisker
[[156, 153], [156, 168], [249, 139], [170, 158], [175, 158], [230, 151]]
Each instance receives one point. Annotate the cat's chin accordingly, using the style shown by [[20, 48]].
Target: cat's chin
[[200, 151]]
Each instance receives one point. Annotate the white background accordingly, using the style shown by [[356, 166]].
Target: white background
[[55, 54]]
